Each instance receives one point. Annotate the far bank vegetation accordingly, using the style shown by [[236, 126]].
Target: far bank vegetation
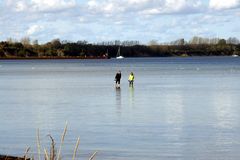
[[197, 46]]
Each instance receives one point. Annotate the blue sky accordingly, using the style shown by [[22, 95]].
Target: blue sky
[[106, 20]]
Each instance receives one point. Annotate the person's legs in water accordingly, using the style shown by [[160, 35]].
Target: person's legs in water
[[118, 84], [130, 83]]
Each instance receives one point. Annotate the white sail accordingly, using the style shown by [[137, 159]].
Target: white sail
[[119, 54]]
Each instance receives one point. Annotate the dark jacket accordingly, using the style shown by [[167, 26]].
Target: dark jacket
[[118, 77]]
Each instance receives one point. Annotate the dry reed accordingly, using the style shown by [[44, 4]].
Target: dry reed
[[38, 144], [52, 149], [26, 152], [52, 153], [46, 154], [93, 155], [76, 147], [62, 140]]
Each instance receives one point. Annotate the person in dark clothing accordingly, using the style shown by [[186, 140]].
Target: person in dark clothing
[[118, 79]]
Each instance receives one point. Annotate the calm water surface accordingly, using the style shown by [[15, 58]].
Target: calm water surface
[[179, 108]]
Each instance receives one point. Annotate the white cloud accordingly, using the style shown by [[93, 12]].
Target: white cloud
[[143, 6], [104, 7], [34, 29], [223, 4], [21, 6], [9, 2], [110, 19], [137, 1], [119, 22], [92, 4], [108, 7], [40, 5], [18, 6], [48, 5], [174, 6]]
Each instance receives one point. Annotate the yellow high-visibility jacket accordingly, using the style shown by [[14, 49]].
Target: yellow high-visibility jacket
[[131, 77]]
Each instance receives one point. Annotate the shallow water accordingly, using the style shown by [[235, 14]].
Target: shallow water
[[179, 108]]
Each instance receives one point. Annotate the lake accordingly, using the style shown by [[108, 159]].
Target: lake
[[179, 108]]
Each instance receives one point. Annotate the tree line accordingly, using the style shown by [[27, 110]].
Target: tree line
[[197, 46]]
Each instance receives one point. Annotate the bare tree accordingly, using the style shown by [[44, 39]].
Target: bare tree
[[25, 41], [153, 43], [232, 40]]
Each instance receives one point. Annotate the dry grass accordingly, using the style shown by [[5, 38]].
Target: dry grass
[[53, 154], [62, 140], [38, 145], [26, 152], [76, 148], [93, 155]]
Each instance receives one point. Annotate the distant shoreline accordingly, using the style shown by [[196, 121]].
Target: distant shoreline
[[76, 50], [99, 58], [46, 58]]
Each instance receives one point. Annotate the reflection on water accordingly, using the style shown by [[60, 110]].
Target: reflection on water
[[226, 121], [174, 108], [224, 108], [118, 99], [131, 96]]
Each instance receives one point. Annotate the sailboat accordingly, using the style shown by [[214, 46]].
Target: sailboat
[[119, 54], [234, 55]]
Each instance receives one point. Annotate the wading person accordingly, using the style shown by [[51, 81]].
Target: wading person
[[131, 79], [118, 79]]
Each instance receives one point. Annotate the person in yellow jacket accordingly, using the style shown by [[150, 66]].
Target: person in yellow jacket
[[131, 79]]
